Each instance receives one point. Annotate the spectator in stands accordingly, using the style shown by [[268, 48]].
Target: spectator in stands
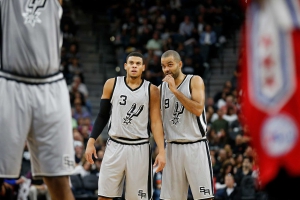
[[144, 37], [129, 24], [181, 50], [230, 192], [155, 43], [219, 130], [228, 103], [168, 44], [87, 122], [238, 161], [73, 52], [80, 111], [75, 94], [240, 145], [79, 150], [85, 132], [81, 87], [221, 157], [188, 67], [172, 24], [245, 170], [198, 61], [153, 72], [186, 27], [227, 168], [230, 116], [145, 25], [83, 169], [223, 93], [200, 24], [75, 68], [210, 102], [67, 35], [207, 41]]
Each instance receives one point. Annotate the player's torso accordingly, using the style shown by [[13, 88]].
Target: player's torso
[[130, 110], [179, 123], [32, 37]]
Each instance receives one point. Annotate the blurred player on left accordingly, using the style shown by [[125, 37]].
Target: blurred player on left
[[34, 103]]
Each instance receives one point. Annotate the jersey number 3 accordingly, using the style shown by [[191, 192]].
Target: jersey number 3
[[123, 100]]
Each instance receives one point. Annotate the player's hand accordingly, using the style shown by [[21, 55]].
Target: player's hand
[[160, 161], [90, 150], [170, 80]]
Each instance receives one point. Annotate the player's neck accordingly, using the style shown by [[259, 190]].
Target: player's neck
[[133, 82], [179, 79]]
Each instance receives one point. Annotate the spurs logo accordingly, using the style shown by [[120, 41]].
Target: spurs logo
[[32, 12], [141, 194], [178, 110], [132, 112], [204, 191], [68, 162]]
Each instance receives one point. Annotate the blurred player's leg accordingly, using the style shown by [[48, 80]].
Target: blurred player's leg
[[59, 188]]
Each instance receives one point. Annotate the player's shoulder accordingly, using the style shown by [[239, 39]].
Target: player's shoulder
[[196, 79], [154, 89], [110, 81]]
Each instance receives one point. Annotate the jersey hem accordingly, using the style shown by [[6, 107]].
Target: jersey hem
[[109, 196], [8, 176], [51, 175]]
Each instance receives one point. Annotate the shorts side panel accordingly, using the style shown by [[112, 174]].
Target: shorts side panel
[[51, 139], [15, 123]]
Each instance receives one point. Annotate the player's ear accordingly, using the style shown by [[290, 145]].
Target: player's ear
[[125, 65], [180, 64], [144, 67]]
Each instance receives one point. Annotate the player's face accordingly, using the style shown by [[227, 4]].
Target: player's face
[[171, 66], [134, 66]]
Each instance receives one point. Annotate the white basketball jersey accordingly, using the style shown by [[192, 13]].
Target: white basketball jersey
[[31, 37], [130, 110], [180, 124]]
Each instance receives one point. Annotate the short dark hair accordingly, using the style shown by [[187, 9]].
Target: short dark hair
[[173, 53], [136, 54]]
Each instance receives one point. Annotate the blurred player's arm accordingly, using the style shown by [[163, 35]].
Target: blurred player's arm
[[196, 104], [60, 1], [101, 119], [157, 127]]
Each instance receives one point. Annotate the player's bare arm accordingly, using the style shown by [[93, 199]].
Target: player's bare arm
[[101, 119], [194, 105], [157, 127], [60, 1]]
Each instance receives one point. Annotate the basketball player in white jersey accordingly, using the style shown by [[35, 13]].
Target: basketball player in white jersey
[[34, 102], [188, 159], [132, 107]]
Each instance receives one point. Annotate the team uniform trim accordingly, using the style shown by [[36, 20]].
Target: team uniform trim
[[32, 80]]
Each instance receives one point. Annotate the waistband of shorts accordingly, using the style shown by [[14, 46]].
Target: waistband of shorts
[[188, 142], [128, 141], [32, 80]]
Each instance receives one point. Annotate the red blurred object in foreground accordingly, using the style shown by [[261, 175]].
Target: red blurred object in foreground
[[270, 84]]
